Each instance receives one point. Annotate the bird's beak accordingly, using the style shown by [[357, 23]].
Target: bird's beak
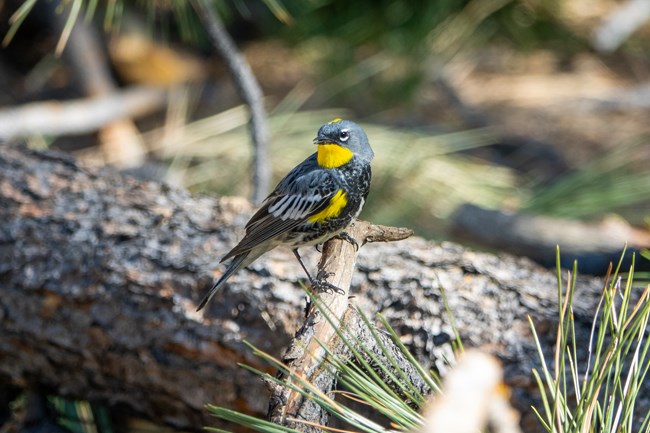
[[322, 140]]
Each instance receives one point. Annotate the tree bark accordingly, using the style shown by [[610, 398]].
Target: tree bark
[[100, 275]]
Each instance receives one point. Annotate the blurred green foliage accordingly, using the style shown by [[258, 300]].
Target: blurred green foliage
[[416, 37], [407, 27]]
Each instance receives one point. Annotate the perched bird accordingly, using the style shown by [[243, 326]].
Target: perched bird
[[315, 202]]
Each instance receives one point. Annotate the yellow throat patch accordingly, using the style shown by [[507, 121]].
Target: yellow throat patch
[[333, 209], [333, 155]]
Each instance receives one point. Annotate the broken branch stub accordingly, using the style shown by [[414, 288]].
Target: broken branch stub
[[306, 353]]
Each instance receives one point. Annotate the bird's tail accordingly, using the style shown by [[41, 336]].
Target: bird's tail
[[236, 263]]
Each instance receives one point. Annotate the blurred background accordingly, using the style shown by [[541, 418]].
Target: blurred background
[[507, 125], [483, 114]]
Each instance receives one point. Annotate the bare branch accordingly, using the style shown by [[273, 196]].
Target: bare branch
[[379, 233], [79, 116], [249, 90]]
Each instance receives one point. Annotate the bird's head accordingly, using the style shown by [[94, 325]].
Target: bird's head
[[339, 140]]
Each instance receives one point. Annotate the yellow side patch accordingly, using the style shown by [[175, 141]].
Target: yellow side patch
[[333, 155], [337, 203]]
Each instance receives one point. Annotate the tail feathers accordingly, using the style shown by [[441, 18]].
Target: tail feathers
[[235, 265]]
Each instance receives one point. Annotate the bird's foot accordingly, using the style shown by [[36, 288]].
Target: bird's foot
[[320, 283], [345, 236]]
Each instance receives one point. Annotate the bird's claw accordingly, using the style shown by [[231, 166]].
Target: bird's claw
[[321, 284], [323, 274], [345, 236]]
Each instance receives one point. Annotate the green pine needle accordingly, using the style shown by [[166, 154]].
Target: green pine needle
[[361, 378], [604, 390]]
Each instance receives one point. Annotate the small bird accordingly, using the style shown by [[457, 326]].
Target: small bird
[[315, 202]]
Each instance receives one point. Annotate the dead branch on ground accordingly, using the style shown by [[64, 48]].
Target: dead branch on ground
[[79, 116], [593, 244]]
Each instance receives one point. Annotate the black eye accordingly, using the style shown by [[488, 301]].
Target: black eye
[[344, 135]]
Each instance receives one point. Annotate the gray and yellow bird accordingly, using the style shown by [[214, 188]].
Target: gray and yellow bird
[[315, 202]]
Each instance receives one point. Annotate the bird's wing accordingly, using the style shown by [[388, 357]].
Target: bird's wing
[[298, 196]]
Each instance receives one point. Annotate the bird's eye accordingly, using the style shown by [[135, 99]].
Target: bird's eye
[[344, 135]]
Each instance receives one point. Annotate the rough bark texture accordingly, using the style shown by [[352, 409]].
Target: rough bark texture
[[100, 275]]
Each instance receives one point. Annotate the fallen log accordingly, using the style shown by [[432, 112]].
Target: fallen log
[[594, 244], [100, 275]]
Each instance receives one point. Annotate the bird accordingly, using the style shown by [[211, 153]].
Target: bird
[[316, 201]]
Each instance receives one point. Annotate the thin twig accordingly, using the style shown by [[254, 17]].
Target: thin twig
[[249, 90]]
